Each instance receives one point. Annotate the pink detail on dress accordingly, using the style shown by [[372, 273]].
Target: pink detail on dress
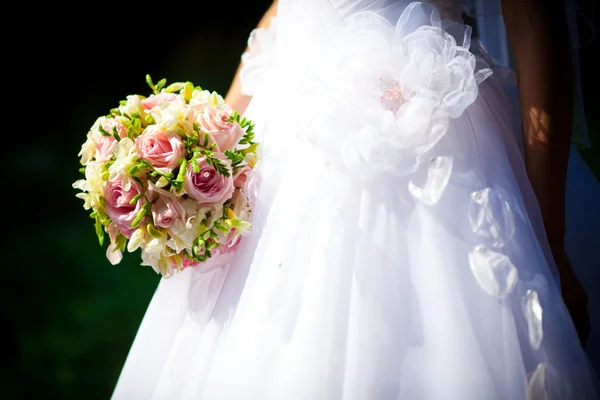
[[391, 97], [393, 92]]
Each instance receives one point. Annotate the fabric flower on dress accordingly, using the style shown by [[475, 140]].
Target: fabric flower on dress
[[428, 78]]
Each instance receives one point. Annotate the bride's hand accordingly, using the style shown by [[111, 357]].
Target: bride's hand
[[574, 295]]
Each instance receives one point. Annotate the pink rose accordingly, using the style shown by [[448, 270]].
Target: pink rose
[[208, 186], [160, 148], [106, 144], [239, 202], [166, 210], [111, 124], [153, 100], [118, 206], [241, 176], [226, 134], [247, 180]]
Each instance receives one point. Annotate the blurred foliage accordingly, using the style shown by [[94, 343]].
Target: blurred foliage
[[69, 314]]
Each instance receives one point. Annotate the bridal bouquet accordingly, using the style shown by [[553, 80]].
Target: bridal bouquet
[[168, 174]]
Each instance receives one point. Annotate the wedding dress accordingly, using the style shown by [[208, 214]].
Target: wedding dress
[[397, 249]]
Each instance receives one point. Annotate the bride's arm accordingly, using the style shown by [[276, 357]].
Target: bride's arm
[[539, 41], [234, 98]]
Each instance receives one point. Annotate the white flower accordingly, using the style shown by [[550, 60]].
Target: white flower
[[156, 246], [156, 254], [174, 113], [137, 239], [216, 212], [88, 150], [199, 100], [133, 104], [158, 263], [182, 237], [125, 157], [91, 187], [113, 254]]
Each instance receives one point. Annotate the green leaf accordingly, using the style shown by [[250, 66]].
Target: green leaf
[[120, 242], [198, 244], [248, 136], [99, 229], [235, 157], [153, 231], [250, 149], [195, 165], [149, 81], [182, 168], [160, 85], [174, 87], [135, 198], [134, 169], [218, 165], [103, 131], [138, 218]]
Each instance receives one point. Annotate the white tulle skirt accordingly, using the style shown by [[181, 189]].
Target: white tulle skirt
[[397, 249]]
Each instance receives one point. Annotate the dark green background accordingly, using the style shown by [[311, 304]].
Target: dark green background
[[69, 315]]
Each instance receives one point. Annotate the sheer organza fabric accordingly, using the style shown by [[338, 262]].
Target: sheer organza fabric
[[397, 249]]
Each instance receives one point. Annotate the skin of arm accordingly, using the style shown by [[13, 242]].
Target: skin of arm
[[539, 41], [234, 97]]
